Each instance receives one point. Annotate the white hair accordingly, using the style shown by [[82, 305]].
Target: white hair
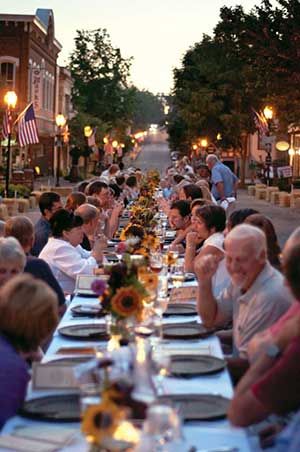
[[252, 235], [212, 158], [12, 252]]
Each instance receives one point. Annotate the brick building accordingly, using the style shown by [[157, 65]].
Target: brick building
[[28, 62]]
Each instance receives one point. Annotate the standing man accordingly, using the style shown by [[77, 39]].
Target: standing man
[[49, 203], [224, 181]]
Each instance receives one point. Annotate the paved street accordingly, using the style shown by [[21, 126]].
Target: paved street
[[155, 154]]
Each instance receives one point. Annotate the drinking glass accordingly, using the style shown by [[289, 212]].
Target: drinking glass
[[161, 361], [90, 395], [156, 262], [163, 426]]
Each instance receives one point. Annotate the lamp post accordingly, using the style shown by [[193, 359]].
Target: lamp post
[[10, 99], [88, 131], [268, 114], [60, 122]]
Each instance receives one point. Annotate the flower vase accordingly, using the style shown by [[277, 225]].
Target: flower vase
[[120, 329]]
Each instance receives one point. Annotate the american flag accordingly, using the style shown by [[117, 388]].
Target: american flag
[[6, 126], [260, 122], [27, 129]]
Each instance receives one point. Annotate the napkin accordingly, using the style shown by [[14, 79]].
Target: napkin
[[199, 350], [49, 434], [182, 294], [25, 445]]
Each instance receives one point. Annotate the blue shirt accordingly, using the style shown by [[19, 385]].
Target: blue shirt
[[42, 231], [221, 173], [14, 378]]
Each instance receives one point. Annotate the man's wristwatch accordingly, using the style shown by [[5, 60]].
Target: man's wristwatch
[[272, 351]]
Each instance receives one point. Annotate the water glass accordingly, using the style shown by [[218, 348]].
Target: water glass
[[163, 425], [90, 395]]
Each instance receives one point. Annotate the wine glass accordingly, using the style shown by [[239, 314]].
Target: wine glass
[[156, 262], [161, 361]]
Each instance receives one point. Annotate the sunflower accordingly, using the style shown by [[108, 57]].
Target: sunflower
[[149, 280], [100, 421], [127, 302]]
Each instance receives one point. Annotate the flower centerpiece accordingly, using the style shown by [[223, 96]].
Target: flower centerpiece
[[105, 425], [122, 298]]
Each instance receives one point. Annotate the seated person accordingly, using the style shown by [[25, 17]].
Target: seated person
[[256, 296], [49, 203], [64, 254], [75, 200], [179, 218], [110, 208], [272, 384], [23, 230], [208, 223], [266, 225], [91, 225], [190, 192], [28, 316], [263, 339], [12, 259]]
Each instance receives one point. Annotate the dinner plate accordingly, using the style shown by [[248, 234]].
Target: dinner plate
[[198, 407], [55, 408], [182, 309], [85, 332], [191, 365], [185, 331], [189, 276], [88, 310]]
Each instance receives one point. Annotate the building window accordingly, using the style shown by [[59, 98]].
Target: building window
[[297, 141], [7, 74]]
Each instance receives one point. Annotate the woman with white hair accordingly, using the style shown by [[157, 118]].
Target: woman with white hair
[[12, 258]]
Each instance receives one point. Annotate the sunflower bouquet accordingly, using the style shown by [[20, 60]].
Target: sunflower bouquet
[[123, 296]]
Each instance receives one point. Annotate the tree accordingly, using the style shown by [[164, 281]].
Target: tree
[[251, 60], [148, 109], [100, 75]]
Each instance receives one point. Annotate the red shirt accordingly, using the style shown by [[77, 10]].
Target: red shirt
[[279, 388]]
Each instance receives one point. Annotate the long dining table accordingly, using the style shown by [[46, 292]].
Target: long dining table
[[217, 435]]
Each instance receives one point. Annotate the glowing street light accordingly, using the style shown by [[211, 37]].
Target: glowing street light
[[268, 112], [10, 99], [203, 143], [60, 122]]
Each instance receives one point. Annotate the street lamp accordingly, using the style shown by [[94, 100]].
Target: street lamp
[[88, 132], [268, 114], [10, 99], [60, 122]]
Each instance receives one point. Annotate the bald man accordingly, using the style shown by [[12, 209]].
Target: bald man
[[272, 384], [224, 181], [256, 296]]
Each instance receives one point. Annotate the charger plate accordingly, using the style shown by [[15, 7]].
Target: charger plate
[[182, 309], [185, 331], [54, 408], [185, 366], [88, 310], [85, 332], [198, 407]]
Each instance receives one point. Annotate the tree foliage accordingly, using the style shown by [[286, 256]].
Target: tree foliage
[[148, 109], [252, 59], [100, 75]]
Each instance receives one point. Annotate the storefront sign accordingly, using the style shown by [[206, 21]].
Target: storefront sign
[[284, 171], [37, 89]]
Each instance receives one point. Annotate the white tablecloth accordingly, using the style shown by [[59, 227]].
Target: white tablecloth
[[204, 435]]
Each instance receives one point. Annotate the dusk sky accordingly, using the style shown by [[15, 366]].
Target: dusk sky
[[156, 33]]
